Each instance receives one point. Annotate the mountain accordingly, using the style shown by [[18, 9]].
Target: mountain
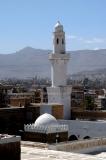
[[25, 63], [98, 74], [28, 62]]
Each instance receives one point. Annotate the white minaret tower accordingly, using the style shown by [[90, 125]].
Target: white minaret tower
[[59, 92]]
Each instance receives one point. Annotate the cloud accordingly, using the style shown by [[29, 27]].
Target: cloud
[[95, 40], [96, 48], [80, 39], [74, 37], [71, 37], [99, 40]]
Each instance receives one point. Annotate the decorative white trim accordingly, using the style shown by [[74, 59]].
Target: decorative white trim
[[46, 129]]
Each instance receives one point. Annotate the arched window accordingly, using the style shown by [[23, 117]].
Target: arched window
[[57, 41], [86, 137], [72, 138], [62, 41]]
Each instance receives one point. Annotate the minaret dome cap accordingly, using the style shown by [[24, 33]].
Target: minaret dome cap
[[58, 26]]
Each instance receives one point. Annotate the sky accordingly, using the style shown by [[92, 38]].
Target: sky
[[31, 23]]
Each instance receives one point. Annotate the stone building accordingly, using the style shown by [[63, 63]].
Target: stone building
[[77, 98], [101, 102], [3, 96], [21, 99]]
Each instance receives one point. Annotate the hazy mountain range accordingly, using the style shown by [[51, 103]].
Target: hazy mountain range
[[30, 62]]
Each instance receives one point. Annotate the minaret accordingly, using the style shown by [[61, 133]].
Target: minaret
[[59, 58], [59, 92]]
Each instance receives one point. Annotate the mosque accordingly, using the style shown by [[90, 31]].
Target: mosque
[[47, 128], [50, 131]]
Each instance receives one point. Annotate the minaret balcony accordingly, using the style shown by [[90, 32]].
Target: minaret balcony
[[56, 56]]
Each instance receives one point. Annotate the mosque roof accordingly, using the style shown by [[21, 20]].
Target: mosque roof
[[46, 120]]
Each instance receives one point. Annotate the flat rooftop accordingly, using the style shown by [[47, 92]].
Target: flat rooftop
[[5, 138], [44, 104], [39, 151], [34, 153]]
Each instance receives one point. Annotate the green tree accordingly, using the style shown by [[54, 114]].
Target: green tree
[[89, 103]]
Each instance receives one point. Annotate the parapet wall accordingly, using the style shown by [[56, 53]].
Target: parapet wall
[[82, 129], [45, 129], [85, 146], [10, 139]]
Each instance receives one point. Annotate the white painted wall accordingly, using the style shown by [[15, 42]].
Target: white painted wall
[[59, 69], [62, 96], [86, 128], [58, 34]]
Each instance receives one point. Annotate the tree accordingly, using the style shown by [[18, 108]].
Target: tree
[[89, 103]]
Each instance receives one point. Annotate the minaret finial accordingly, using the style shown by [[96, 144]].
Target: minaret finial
[[58, 24]]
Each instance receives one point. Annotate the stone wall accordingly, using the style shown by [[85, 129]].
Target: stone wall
[[45, 138], [10, 150], [31, 114], [90, 115], [54, 109], [20, 101], [85, 146], [57, 111], [12, 120]]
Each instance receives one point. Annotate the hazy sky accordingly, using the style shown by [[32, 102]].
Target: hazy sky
[[30, 23]]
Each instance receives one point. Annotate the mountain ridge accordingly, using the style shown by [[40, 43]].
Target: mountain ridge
[[28, 48], [29, 62]]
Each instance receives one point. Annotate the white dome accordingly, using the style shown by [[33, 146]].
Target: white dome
[[45, 120], [58, 26]]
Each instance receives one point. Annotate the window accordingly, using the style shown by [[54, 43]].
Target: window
[[62, 41], [57, 41]]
